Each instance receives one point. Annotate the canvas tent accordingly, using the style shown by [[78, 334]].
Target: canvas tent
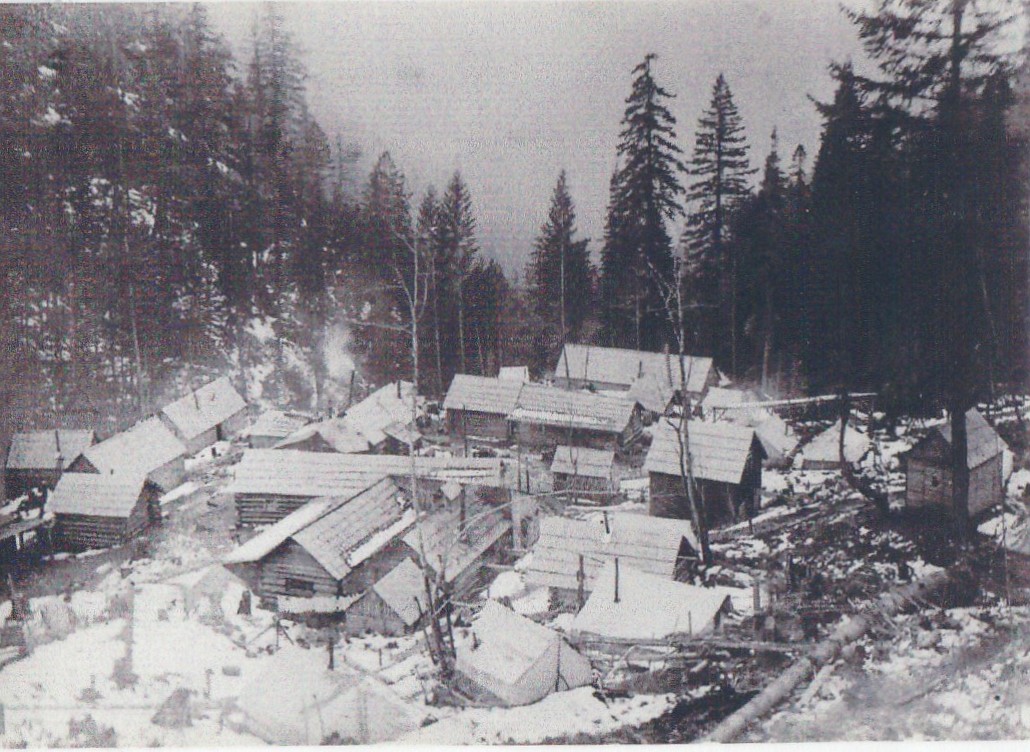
[[628, 604], [510, 660], [823, 451]]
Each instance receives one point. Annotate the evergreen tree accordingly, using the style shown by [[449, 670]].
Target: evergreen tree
[[559, 274], [720, 164], [458, 250], [645, 195]]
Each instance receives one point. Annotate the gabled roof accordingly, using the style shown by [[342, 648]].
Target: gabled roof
[[982, 441], [337, 538], [334, 432], [563, 408], [136, 452], [825, 447], [482, 394], [649, 606], [96, 495], [37, 450], [652, 544], [718, 451], [276, 423], [387, 405], [718, 396], [339, 533], [289, 472], [403, 590], [450, 550], [509, 644], [589, 463], [613, 365], [204, 408], [652, 394]]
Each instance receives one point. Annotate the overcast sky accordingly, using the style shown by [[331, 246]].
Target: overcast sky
[[510, 93]]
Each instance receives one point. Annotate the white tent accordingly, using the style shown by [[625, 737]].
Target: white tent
[[514, 661], [822, 452], [296, 701]]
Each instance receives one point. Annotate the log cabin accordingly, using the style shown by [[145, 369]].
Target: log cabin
[[36, 459], [148, 449], [214, 412], [545, 417], [928, 467], [726, 465], [330, 548], [99, 511], [584, 473], [272, 483], [478, 407]]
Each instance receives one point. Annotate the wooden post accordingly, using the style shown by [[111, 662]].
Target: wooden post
[[581, 583], [616, 579], [465, 429], [757, 594]]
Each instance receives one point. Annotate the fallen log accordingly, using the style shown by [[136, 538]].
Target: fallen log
[[827, 651]]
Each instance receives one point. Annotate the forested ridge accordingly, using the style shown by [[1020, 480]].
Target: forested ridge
[[170, 212]]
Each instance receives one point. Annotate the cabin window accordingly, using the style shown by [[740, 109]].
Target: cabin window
[[299, 587]]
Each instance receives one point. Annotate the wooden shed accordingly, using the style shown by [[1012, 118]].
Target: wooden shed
[[928, 467], [616, 369], [569, 553], [149, 449], [272, 426], [214, 412], [584, 472], [99, 511], [546, 417], [331, 547], [726, 465], [479, 407], [272, 483], [36, 459], [393, 606]]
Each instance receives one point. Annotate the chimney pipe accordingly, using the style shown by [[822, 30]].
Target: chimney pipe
[[616, 579]]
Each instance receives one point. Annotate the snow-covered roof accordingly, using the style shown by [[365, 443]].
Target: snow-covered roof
[[339, 532], [96, 495], [507, 644], [482, 394], [652, 544], [451, 551], [982, 441], [37, 450], [136, 452], [649, 606], [277, 424], [334, 432], [289, 472], [654, 395], [718, 396], [386, 406], [337, 539], [550, 406], [613, 365], [204, 408], [400, 588], [590, 463], [825, 447], [718, 451], [514, 373]]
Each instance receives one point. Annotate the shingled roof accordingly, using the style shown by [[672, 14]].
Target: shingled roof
[[613, 365], [386, 406], [718, 451], [204, 408], [334, 432], [450, 550], [651, 544], [289, 472], [277, 424], [403, 590], [136, 452], [96, 495], [37, 450], [548, 405], [483, 394], [589, 463]]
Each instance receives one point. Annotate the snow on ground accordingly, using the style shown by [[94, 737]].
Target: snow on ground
[[557, 716], [1018, 482]]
